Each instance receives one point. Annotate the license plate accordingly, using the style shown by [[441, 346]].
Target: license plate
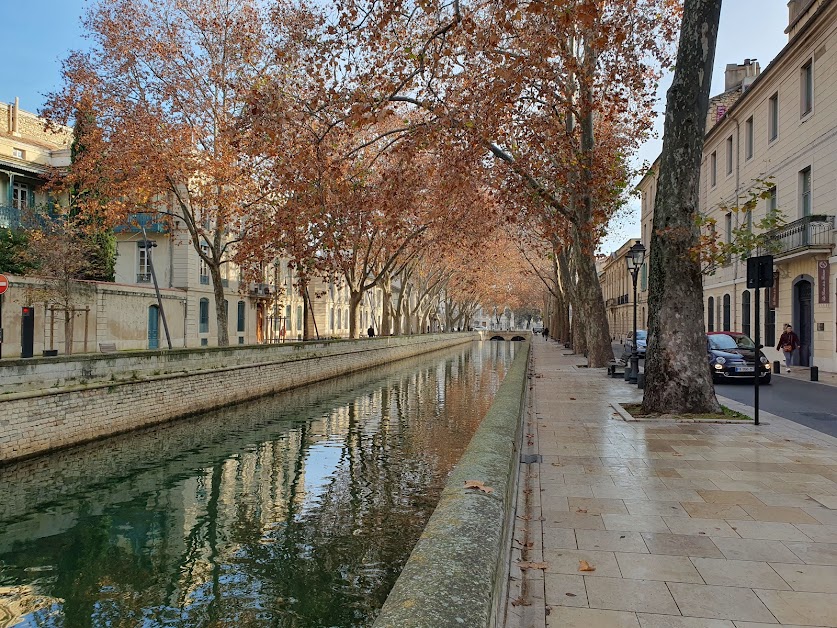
[[744, 369]]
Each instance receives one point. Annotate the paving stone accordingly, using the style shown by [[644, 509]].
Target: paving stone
[[567, 562], [566, 617], [657, 567], [565, 590], [635, 523], [814, 553], [786, 514], [714, 602], [755, 549], [702, 527], [739, 573], [729, 497], [611, 541], [769, 530], [807, 609], [812, 578], [647, 620], [681, 545], [619, 594]]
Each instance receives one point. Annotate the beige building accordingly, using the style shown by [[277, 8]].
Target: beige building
[[618, 293], [781, 129]]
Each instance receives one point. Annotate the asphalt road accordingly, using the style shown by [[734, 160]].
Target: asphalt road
[[808, 403]]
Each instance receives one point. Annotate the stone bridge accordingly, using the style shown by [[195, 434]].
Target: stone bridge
[[498, 334]]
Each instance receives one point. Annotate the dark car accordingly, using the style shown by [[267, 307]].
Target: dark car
[[732, 355]]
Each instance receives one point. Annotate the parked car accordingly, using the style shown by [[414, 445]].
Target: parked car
[[479, 328], [641, 342], [732, 355]]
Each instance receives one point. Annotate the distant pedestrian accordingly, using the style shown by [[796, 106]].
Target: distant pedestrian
[[788, 343], [371, 331], [546, 333]]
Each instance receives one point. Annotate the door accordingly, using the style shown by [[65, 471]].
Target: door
[[804, 321], [259, 323], [153, 327]]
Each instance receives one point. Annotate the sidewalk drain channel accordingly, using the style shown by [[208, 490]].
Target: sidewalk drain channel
[[530, 458]]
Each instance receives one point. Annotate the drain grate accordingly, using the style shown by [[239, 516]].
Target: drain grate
[[820, 416], [530, 458]]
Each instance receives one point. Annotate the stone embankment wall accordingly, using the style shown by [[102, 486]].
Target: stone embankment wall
[[64, 402], [458, 570]]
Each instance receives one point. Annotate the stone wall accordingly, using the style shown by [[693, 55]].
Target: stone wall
[[134, 390]]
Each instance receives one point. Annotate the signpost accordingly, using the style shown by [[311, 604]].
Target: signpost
[[759, 275]]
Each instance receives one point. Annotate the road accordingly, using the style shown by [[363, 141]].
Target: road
[[808, 403]]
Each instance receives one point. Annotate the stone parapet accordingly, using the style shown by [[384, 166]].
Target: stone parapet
[[457, 573], [99, 396]]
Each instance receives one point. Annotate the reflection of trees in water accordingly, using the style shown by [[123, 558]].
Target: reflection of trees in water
[[245, 541]]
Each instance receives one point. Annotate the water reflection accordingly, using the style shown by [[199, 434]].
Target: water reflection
[[297, 510]]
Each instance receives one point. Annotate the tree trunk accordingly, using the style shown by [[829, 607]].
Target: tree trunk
[[355, 297], [677, 379], [220, 310], [593, 320], [68, 330], [386, 309]]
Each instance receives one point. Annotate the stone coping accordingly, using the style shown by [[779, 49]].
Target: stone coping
[[457, 572]]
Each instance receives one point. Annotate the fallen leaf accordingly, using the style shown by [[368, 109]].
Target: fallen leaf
[[583, 565], [480, 486], [622, 537], [557, 464], [573, 594], [581, 510], [528, 565], [572, 398]]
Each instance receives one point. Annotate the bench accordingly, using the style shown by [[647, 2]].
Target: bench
[[616, 368], [107, 347]]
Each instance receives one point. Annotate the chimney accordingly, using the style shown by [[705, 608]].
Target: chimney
[[793, 10], [15, 115], [741, 75]]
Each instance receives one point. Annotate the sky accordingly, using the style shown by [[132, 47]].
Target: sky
[[32, 51]]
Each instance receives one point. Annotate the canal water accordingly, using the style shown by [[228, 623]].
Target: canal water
[[297, 510]]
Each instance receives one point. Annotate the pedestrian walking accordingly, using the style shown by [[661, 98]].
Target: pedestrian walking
[[371, 331], [546, 333], [788, 343]]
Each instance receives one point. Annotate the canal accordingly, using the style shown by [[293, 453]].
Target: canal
[[297, 510]]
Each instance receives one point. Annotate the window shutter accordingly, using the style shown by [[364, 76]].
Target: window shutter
[[31, 199]]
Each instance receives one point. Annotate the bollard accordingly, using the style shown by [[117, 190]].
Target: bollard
[[815, 374], [627, 373], [640, 381], [777, 367]]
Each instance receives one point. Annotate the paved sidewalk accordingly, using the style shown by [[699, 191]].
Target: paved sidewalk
[[685, 525]]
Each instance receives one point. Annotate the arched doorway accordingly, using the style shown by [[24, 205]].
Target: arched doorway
[[260, 323], [803, 319], [153, 327]]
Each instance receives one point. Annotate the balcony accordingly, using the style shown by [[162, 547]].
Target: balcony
[[260, 290], [610, 303], [135, 223], [811, 234], [143, 277]]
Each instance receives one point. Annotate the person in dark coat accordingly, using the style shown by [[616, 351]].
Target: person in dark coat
[[371, 331], [546, 333], [788, 343]]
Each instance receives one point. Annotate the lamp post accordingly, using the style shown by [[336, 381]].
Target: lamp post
[[635, 258]]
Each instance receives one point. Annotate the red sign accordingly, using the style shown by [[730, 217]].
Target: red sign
[[4, 283], [823, 278]]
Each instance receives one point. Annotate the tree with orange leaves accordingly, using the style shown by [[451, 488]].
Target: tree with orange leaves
[[167, 82], [558, 93]]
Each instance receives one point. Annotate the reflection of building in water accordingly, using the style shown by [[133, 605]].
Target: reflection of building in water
[[16, 603]]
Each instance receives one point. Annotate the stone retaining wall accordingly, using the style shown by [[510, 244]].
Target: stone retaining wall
[[123, 392], [457, 573]]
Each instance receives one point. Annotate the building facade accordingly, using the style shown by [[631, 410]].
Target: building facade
[[618, 293], [778, 137]]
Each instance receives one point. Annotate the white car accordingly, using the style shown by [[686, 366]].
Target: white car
[[479, 328]]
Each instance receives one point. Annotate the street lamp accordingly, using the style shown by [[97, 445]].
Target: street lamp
[[635, 258]]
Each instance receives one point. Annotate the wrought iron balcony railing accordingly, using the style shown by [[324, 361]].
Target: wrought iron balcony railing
[[143, 277], [806, 233], [9, 217]]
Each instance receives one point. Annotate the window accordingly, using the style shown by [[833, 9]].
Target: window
[[749, 138], [204, 317], [143, 267], [806, 83], [240, 316], [728, 234], [20, 196], [710, 311], [805, 191], [713, 169], [745, 312], [18, 153], [331, 319], [227, 312], [727, 313], [748, 217], [298, 317], [729, 155], [773, 117], [769, 320], [288, 315], [772, 200], [204, 266]]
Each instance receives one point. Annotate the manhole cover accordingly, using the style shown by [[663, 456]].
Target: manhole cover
[[530, 458], [820, 416]]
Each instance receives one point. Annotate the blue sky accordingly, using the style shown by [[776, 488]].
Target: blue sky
[[40, 33]]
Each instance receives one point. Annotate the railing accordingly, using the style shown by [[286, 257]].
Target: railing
[[260, 289], [9, 217], [143, 277], [610, 303], [805, 233], [136, 222]]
